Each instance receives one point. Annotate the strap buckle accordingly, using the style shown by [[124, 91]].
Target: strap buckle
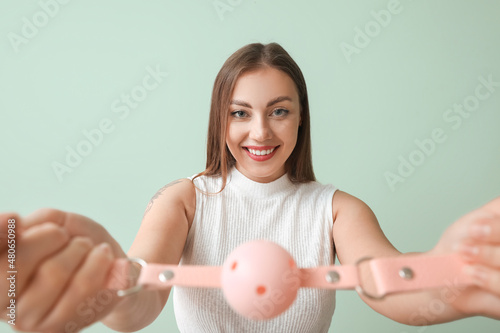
[[359, 288], [136, 288]]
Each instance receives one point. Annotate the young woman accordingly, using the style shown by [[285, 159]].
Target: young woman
[[258, 184]]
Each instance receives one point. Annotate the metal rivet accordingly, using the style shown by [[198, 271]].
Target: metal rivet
[[332, 277], [406, 273], [166, 275]]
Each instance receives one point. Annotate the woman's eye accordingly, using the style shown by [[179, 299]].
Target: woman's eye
[[238, 114], [280, 112]]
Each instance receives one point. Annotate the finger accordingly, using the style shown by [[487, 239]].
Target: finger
[[85, 300], [75, 225], [493, 206], [485, 277], [476, 301], [45, 215], [49, 282], [36, 245], [31, 248], [490, 306], [8, 221], [487, 255], [485, 229]]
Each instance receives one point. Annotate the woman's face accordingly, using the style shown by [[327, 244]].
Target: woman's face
[[263, 121]]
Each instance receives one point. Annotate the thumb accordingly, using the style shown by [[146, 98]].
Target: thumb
[[9, 229]]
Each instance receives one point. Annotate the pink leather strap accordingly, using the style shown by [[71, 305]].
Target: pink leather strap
[[389, 275], [427, 272], [184, 276], [395, 274], [318, 277]]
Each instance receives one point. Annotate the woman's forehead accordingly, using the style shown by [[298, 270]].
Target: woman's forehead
[[264, 84]]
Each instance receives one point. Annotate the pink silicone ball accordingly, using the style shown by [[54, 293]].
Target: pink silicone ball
[[260, 279]]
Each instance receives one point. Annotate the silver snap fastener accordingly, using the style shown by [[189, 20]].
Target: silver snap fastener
[[166, 276], [332, 277], [406, 273]]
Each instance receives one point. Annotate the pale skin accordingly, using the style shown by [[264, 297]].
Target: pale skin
[[69, 254]]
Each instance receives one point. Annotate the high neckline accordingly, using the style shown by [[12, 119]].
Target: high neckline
[[256, 189]]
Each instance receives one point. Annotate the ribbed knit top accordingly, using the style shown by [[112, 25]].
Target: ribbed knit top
[[296, 216]]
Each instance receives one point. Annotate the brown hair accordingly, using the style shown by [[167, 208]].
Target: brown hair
[[251, 57]]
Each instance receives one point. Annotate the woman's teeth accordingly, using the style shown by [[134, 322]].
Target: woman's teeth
[[261, 152]]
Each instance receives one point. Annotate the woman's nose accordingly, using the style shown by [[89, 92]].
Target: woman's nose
[[260, 130]]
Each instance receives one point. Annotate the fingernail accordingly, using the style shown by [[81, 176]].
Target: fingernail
[[469, 251], [479, 275], [480, 230], [106, 249]]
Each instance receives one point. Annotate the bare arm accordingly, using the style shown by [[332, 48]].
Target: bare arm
[[161, 239], [357, 234]]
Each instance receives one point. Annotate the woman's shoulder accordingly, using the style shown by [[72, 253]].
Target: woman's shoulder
[[344, 203], [186, 196], [178, 193], [182, 188], [206, 183]]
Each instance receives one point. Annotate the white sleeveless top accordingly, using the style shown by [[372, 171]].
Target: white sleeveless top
[[296, 216]]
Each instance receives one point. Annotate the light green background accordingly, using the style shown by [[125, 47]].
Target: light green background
[[365, 113]]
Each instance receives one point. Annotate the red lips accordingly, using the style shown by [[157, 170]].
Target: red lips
[[260, 158]]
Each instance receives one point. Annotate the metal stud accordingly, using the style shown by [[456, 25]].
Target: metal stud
[[166, 276], [332, 277], [406, 273]]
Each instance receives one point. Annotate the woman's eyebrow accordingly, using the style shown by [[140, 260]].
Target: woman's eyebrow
[[271, 102], [241, 103], [279, 99]]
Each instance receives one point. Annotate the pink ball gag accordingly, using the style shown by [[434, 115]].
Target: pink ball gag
[[260, 279]]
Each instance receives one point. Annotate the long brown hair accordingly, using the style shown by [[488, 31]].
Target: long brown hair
[[251, 57]]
